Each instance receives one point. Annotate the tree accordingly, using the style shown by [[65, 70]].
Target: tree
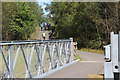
[[88, 23], [20, 20]]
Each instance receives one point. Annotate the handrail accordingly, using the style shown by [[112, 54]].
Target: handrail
[[31, 42]]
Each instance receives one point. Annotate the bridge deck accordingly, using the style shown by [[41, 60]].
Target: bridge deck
[[91, 64]]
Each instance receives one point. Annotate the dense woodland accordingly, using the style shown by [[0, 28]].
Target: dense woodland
[[89, 24], [19, 19]]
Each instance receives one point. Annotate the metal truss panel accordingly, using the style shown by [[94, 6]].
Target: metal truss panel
[[34, 58]]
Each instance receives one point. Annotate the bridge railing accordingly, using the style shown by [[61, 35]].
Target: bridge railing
[[112, 58], [27, 59]]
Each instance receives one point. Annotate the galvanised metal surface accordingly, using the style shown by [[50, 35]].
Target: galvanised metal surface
[[114, 51], [112, 57], [119, 51], [27, 59]]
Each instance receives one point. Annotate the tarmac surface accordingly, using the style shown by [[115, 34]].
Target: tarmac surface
[[91, 64], [39, 37]]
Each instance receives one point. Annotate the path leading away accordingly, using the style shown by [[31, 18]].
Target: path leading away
[[39, 37], [91, 64]]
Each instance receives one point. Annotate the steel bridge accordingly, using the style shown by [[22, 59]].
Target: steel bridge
[[37, 59], [30, 59]]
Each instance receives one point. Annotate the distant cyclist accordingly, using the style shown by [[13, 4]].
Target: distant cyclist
[[44, 35], [42, 26]]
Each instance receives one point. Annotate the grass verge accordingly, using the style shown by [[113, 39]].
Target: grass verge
[[35, 34], [77, 57], [92, 50]]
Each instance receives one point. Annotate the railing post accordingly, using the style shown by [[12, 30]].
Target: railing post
[[27, 58], [11, 61], [114, 51], [119, 51], [71, 50]]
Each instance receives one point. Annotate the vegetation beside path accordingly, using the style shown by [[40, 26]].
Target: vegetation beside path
[[92, 50]]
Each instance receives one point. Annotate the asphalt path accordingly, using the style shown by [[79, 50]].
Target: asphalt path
[[39, 37], [91, 64]]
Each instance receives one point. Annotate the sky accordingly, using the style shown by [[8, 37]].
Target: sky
[[41, 3]]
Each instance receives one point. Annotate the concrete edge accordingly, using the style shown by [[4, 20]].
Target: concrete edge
[[55, 70]]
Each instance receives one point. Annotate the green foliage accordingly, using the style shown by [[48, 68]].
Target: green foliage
[[77, 57], [20, 20], [92, 50], [89, 24]]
